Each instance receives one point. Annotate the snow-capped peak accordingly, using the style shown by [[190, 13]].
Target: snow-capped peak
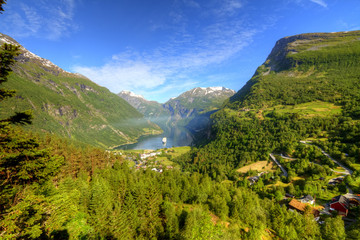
[[26, 53], [209, 90], [216, 88], [131, 94]]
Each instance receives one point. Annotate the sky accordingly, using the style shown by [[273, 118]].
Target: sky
[[161, 48]]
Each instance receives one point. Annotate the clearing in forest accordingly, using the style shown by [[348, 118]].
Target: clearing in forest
[[260, 166], [307, 110]]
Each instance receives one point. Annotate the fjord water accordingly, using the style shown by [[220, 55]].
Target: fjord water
[[176, 137]]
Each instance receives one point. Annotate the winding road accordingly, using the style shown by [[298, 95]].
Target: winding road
[[279, 165], [347, 170]]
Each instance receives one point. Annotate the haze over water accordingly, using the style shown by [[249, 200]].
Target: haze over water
[[177, 137]]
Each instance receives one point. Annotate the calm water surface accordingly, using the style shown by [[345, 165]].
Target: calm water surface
[[176, 137]]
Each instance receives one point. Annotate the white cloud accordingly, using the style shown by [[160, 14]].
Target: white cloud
[[181, 60], [44, 19], [320, 2], [170, 68], [176, 64], [118, 76]]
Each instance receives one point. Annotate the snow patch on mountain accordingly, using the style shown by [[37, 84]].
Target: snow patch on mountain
[[27, 54], [209, 90], [131, 94]]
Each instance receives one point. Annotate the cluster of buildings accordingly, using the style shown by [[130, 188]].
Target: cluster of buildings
[[341, 204], [143, 156], [302, 204], [142, 163]]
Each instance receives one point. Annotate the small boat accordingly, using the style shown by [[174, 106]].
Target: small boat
[[164, 140]]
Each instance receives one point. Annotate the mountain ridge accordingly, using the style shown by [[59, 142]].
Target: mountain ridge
[[71, 105]]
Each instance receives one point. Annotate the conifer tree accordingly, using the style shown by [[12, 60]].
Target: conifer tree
[[1, 3], [8, 53], [23, 166]]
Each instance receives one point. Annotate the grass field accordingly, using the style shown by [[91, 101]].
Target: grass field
[[261, 166], [164, 161], [177, 151], [356, 166], [308, 110]]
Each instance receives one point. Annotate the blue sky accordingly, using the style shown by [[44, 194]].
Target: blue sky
[[161, 48]]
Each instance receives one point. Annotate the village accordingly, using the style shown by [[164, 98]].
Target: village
[[341, 204], [155, 160]]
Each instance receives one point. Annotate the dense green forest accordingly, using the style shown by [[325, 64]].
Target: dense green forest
[[51, 188]]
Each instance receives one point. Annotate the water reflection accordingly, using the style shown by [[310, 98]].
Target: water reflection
[[176, 137]]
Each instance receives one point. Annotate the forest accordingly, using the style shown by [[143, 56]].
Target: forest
[[56, 188]]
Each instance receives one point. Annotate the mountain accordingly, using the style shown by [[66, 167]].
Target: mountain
[[303, 68], [202, 99], [198, 100], [152, 110], [307, 89], [195, 103], [194, 107], [70, 105]]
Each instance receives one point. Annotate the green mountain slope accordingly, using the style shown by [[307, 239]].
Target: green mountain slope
[[71, 105], [307, 89], [303, 68]]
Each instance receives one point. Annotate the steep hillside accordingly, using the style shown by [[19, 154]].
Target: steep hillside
[[307, 89], [303, 68], [71, 105]]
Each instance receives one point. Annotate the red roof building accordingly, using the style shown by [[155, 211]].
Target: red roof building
[[301, 207], [340, 204]]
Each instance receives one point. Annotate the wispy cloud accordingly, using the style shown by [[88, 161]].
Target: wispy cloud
[[320, 2], [173, 66], [191, 3], [229, 7], [347, 26], [44, 19]]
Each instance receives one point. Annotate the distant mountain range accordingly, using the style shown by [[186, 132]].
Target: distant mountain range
[[181, 110], [70, 105]]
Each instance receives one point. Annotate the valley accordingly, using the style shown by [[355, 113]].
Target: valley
[[191, 109], [279, 159]]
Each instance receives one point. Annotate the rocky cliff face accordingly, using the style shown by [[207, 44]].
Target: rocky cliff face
[[69, 104], [132, 98]]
